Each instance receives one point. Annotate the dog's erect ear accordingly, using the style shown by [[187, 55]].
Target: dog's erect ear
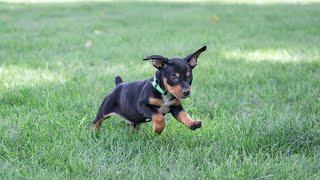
[[157, 61], [192, 59]]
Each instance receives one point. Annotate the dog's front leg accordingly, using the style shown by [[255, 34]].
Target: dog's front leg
[[158, 122], [181, 115]]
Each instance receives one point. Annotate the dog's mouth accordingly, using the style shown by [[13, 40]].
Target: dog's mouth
[[184, 97], [181, 97]]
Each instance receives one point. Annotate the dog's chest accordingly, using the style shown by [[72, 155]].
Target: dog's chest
[[167, 102]]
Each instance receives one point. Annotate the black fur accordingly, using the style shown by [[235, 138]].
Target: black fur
[[132, 100], [118, 80]]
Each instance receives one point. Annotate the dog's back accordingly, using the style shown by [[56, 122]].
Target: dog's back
[[124, 100]]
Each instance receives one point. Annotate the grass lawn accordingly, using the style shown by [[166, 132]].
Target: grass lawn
[[256, 89]]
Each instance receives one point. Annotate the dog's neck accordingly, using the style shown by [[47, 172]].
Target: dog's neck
[[159, 78]]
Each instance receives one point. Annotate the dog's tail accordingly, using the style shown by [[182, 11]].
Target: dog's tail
[[118, 80]]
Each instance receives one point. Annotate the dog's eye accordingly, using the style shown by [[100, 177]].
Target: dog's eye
[[189, 77], [174, 77]]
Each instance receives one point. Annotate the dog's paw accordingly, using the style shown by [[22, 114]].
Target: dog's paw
[[195, 125]]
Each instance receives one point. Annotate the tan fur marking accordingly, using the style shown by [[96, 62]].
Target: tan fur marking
[[158, 123], [157, 63], [155, 101], [175, 90], [185, 118], [177, 74], [193, 62], [97, 124]]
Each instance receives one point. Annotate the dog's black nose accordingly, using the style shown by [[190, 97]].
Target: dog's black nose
[[186, 92]]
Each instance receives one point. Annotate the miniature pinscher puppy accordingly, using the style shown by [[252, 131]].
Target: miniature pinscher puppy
[[150, 99]]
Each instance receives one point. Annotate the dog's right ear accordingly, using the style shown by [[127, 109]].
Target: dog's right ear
[[157, 61], [192, 59]]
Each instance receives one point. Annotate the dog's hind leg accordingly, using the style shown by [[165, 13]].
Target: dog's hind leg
[[105, 111]]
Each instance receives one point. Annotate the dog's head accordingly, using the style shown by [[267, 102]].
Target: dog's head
[[176, 73]]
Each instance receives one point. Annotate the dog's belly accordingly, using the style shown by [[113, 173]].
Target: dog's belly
[[167, 102], [131, 115]]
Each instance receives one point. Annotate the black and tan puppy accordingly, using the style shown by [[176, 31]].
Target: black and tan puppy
[[151, 99]]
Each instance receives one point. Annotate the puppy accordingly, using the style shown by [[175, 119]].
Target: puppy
[[150, 99]]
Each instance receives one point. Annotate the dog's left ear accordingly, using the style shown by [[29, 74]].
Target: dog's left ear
[[192, 59], [157, 61]]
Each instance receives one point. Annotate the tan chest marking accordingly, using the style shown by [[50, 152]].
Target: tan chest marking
[[155, 101], [164, 103], [165, 107]]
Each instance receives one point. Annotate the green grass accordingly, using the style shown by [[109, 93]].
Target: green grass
[[256, 89]]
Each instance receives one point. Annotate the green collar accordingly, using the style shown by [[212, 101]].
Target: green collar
[[159, 89]]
